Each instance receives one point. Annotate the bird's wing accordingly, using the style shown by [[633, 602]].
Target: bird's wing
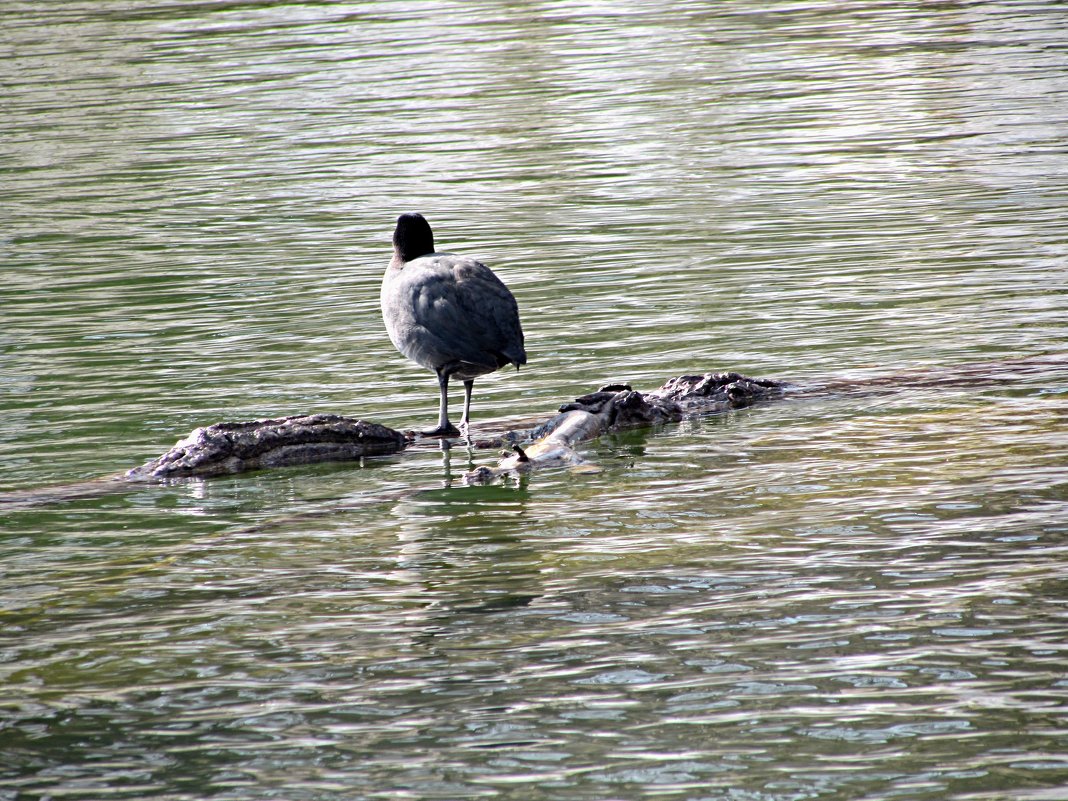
[[461, 308], [491, 311]]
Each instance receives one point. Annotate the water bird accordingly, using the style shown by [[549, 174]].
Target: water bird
[[448, 313]]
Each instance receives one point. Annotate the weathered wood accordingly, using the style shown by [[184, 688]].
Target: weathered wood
[[235, 447], [617, 407]]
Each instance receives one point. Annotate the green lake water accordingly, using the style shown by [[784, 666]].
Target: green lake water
[[857, 594]]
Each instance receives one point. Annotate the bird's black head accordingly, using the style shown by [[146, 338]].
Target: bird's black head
[[413, 237]]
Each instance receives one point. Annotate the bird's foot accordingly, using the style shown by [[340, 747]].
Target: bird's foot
[[448, 430]]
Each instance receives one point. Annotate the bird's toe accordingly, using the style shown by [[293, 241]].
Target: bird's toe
[[442, 431]]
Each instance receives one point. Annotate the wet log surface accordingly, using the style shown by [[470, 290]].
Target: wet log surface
[[226, 448], [236, 447], [617, 407]]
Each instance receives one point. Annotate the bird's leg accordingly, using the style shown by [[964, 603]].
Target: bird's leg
[[466, 419], [445, 428]]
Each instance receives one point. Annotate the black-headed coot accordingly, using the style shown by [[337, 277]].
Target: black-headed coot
[[448, 313]]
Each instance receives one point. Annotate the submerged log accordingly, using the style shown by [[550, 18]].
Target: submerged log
[[226, 448], [235, 447], [617, 407]]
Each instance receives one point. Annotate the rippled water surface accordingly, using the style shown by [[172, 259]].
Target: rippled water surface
[[857, 593]]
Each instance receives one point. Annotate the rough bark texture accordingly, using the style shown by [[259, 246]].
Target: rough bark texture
[[235, 447], [617, 407]]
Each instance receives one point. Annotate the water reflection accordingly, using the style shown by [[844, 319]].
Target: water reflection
[[849, 594]]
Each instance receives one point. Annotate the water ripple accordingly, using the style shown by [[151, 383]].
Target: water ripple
[[848, 594]]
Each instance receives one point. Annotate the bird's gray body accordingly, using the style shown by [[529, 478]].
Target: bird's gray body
[[448, 313]]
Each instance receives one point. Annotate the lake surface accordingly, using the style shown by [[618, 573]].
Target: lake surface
[[858, 594]]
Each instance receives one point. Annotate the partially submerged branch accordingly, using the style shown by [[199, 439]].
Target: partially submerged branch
[[617, 407], [236, 447]]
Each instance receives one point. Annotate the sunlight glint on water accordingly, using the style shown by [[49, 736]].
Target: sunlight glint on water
[[846, 595]]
